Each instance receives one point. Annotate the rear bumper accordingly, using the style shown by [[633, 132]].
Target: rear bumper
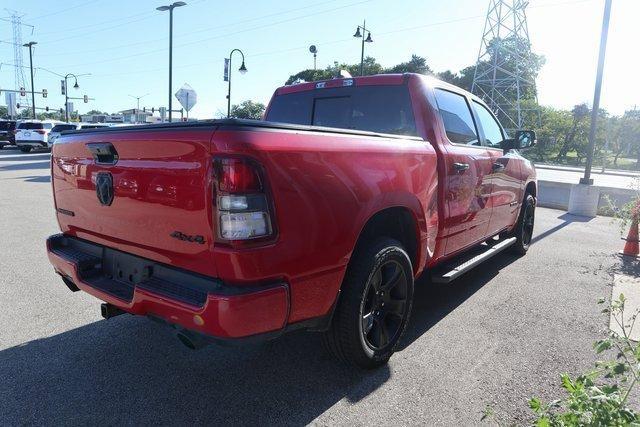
[[31, 143], [189, 300]]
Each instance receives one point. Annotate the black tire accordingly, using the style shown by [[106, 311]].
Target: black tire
[[523, 231], [25, 149], [377, 294]]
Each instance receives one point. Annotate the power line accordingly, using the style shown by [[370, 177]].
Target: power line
[[149, 52], [57, 12], [144, 42]]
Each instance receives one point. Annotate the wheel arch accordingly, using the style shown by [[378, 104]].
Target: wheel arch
[[398, 223]]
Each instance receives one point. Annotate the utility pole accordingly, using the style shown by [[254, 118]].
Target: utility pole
[[242, 70], [33, 97], [586, 179]]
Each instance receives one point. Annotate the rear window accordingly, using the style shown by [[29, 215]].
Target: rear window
[[383, 109], [61, 128], [7, 125], [28, 125]]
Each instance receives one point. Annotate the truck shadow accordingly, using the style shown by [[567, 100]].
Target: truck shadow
[[130, 370], [433, 302]]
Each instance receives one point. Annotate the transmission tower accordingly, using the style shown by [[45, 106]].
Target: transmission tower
[[501, 78], [19, 79]]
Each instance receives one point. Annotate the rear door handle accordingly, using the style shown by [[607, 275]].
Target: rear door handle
[[497, 167], [460, 167]]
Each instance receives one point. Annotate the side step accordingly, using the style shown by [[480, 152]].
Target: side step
[[467, 264]]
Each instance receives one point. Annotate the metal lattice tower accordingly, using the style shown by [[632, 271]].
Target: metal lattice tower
[[19, 79], [501, 77]]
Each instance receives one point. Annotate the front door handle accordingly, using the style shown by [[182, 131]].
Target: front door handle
[[460, 167], [497, 167]]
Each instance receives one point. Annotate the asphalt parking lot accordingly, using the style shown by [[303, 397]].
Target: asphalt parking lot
[[497, 336]]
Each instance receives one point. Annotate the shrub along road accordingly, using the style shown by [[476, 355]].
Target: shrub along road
[[497, 336]]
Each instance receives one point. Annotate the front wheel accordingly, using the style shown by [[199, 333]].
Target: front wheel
[[523, 231], [374, 306]]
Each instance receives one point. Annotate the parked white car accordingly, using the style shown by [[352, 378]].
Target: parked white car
[[57, 130], [32, 134]]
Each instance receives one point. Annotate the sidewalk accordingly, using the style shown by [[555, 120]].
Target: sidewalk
[[595, 170]]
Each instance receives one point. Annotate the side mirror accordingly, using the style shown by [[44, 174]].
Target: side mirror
[[525, 138]]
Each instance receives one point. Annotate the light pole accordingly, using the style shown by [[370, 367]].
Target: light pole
[[242, 70], [368, 40], [33, 98], [170, 9], [138, 98], [586, 179], [66, 94]]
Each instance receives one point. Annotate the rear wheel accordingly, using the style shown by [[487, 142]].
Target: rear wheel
[[523, 231], [374, 306], [25, 149]]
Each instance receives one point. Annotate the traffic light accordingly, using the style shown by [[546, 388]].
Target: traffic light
[[62, 111], [63, 87], [44, 93], [144, 109], [23, 92], [153, 109], [86, 99], [18, 105], [46, 108]]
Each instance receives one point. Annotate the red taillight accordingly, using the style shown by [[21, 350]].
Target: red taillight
[[243, 209], [237, 175]]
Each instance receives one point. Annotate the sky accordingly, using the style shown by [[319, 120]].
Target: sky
[[124, 46]]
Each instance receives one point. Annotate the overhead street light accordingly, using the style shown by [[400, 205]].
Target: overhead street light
[[66, 94], [33, 98], [364, 40], [170, 9], [242, 70]]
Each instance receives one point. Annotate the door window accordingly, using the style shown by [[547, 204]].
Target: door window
[[492, 131], [457, 119]]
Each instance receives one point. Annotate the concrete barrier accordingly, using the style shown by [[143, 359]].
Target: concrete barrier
[[557, 194]]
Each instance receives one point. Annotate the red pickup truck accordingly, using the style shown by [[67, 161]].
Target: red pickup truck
[[319, 217]]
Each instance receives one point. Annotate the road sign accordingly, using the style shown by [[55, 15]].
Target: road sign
[[226, 69], [62, 87], [69, 108], [10, 98], [163, 113], [187, 97]]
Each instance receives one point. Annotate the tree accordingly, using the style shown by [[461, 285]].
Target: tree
[[416, 64], [247, 110], [4, 112], [90, 112], [463, 79]]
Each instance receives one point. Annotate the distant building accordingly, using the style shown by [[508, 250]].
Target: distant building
[[126, 116], [135, 116]]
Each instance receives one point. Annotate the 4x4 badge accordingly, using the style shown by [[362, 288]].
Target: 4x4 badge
[[104, 188]]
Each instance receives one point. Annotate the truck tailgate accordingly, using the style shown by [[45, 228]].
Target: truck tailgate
[[160, 205]]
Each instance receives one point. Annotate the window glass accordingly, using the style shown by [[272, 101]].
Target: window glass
[[383, 109], [492, 131], [457, 119], [60, 128], [30, 125]]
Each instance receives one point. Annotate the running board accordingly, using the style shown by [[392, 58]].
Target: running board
[[466, 265]]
